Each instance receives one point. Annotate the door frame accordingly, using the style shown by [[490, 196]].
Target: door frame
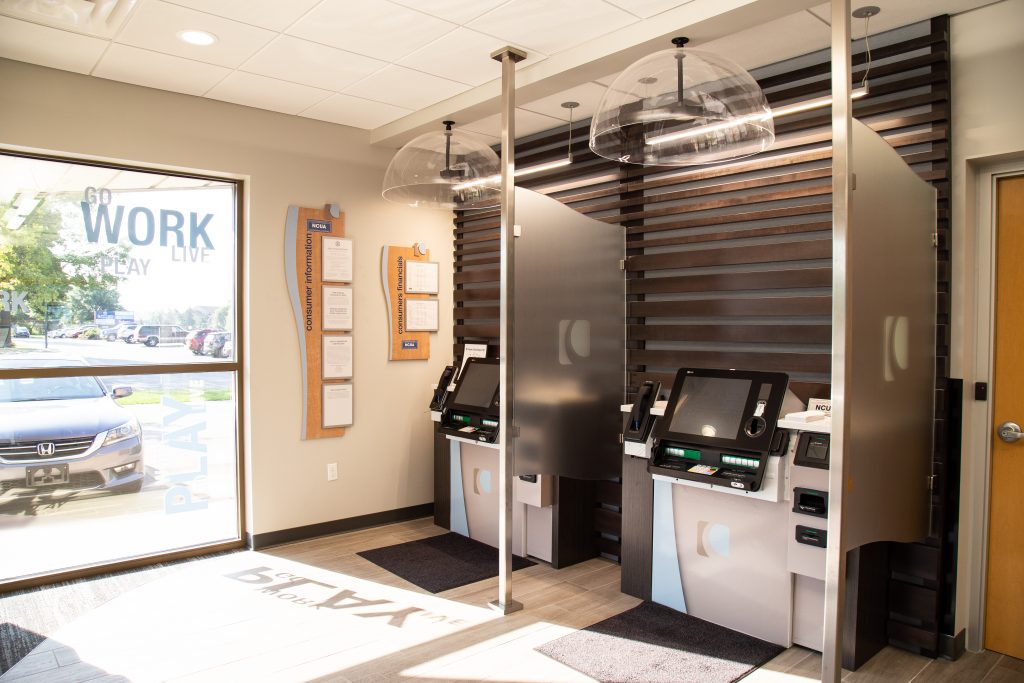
[[977, 446]]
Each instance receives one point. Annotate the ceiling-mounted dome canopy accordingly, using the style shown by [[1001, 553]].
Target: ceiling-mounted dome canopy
[[449, 169], [682, 107]]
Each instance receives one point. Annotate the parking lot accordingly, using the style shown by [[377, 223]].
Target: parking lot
[[189, 493]]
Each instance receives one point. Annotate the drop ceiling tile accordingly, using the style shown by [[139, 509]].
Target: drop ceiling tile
[[608, 80], [551, 27], [354, 111], [455, 11], [35, 44], [376, 28], [272, 14], [308, 63], [266, 93], [157, 70], [789, 36], [527, 123], [463, 55], [155, 26], [405, 88], [588, 95], [648, 8]]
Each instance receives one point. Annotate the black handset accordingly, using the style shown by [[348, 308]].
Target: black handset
[[437, 402], [637, 427]]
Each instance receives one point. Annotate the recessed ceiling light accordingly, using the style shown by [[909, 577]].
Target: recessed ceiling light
[[193, 37]]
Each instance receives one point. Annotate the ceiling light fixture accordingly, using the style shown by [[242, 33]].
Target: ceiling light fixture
[[785, 110], [196, 37], [557, 163], [680, 108], [450, 169]]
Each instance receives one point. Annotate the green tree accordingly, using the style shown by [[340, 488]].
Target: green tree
[[51, 268]]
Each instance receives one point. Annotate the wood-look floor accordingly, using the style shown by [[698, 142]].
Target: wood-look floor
[[556, 602], [584, 594]]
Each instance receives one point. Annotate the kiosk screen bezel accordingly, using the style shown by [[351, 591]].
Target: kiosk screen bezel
[[778, 382], [453, 400]]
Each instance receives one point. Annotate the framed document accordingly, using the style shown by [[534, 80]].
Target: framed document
[[421, 315], [336, 359], [337, 308], [337, 405], [421, 277], [336, 259]]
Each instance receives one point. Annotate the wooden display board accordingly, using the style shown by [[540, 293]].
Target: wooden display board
[[403, 344], [322, 297]]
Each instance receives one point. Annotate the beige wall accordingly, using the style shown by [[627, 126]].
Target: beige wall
[[386, 458], [988, 130]]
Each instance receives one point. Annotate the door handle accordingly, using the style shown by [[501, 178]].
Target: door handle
[[1010, 432]]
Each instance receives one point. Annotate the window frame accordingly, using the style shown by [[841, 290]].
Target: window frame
[[235, 366]]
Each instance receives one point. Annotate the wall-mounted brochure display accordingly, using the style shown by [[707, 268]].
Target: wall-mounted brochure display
[[337, 259], [412, 313], [421, 277], [319, 267], [421, 315], [337, 403], [337, 308], [337, 357]]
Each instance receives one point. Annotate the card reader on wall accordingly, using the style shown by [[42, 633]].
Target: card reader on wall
[[471, 411], [720, 427]]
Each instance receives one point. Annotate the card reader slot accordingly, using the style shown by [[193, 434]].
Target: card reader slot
[[810, 502]]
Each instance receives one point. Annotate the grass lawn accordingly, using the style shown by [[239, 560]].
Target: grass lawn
[[145, 396]]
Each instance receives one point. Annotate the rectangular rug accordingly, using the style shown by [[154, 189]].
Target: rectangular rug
[[440, 563], [655, 644]]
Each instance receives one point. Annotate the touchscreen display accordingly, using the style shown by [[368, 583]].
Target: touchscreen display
[[710, 406], [478, 384]]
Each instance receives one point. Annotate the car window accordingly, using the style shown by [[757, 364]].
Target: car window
[[48, 389]]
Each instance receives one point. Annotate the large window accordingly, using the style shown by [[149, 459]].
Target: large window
[[119, 371]]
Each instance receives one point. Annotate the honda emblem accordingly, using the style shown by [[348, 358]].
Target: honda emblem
[[46, 449]]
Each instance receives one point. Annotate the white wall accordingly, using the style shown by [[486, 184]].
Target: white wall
[[386, 458], [988, 97]]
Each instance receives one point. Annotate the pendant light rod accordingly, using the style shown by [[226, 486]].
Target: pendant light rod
[[680, 42], [447, 172], [508, 56]]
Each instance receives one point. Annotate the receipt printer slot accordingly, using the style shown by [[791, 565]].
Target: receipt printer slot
[[811, 536], [810, 502]]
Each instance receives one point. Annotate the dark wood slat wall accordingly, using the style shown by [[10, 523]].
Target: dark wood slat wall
[[730, 265]]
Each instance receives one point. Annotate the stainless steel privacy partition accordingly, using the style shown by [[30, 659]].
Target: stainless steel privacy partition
[[883, 344], [570, 341]]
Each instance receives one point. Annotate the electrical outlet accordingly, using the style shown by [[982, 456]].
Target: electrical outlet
[[332, 471]]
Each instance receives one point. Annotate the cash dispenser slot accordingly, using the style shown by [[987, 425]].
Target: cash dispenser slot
[[810, 502]]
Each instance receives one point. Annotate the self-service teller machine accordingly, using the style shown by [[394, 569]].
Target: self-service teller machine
[[740, 501], [467, 413]]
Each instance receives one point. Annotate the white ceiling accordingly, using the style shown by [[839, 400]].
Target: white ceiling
[[397, 66]]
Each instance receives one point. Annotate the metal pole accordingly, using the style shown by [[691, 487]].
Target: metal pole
[[842, 334], [508, 57]]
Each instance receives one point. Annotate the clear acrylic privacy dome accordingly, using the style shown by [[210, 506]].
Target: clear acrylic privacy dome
[[682, 107], [449, 169]]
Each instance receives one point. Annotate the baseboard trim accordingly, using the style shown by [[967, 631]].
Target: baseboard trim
[[952, 647], [301, 533]]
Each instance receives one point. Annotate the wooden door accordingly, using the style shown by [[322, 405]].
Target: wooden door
[[1004, 606]]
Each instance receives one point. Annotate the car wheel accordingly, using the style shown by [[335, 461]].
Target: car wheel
[[133, 487], [152, 341]]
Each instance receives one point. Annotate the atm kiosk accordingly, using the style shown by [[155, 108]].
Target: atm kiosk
[[467, 414], [471, 410], [719, 522], [740, 503]]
